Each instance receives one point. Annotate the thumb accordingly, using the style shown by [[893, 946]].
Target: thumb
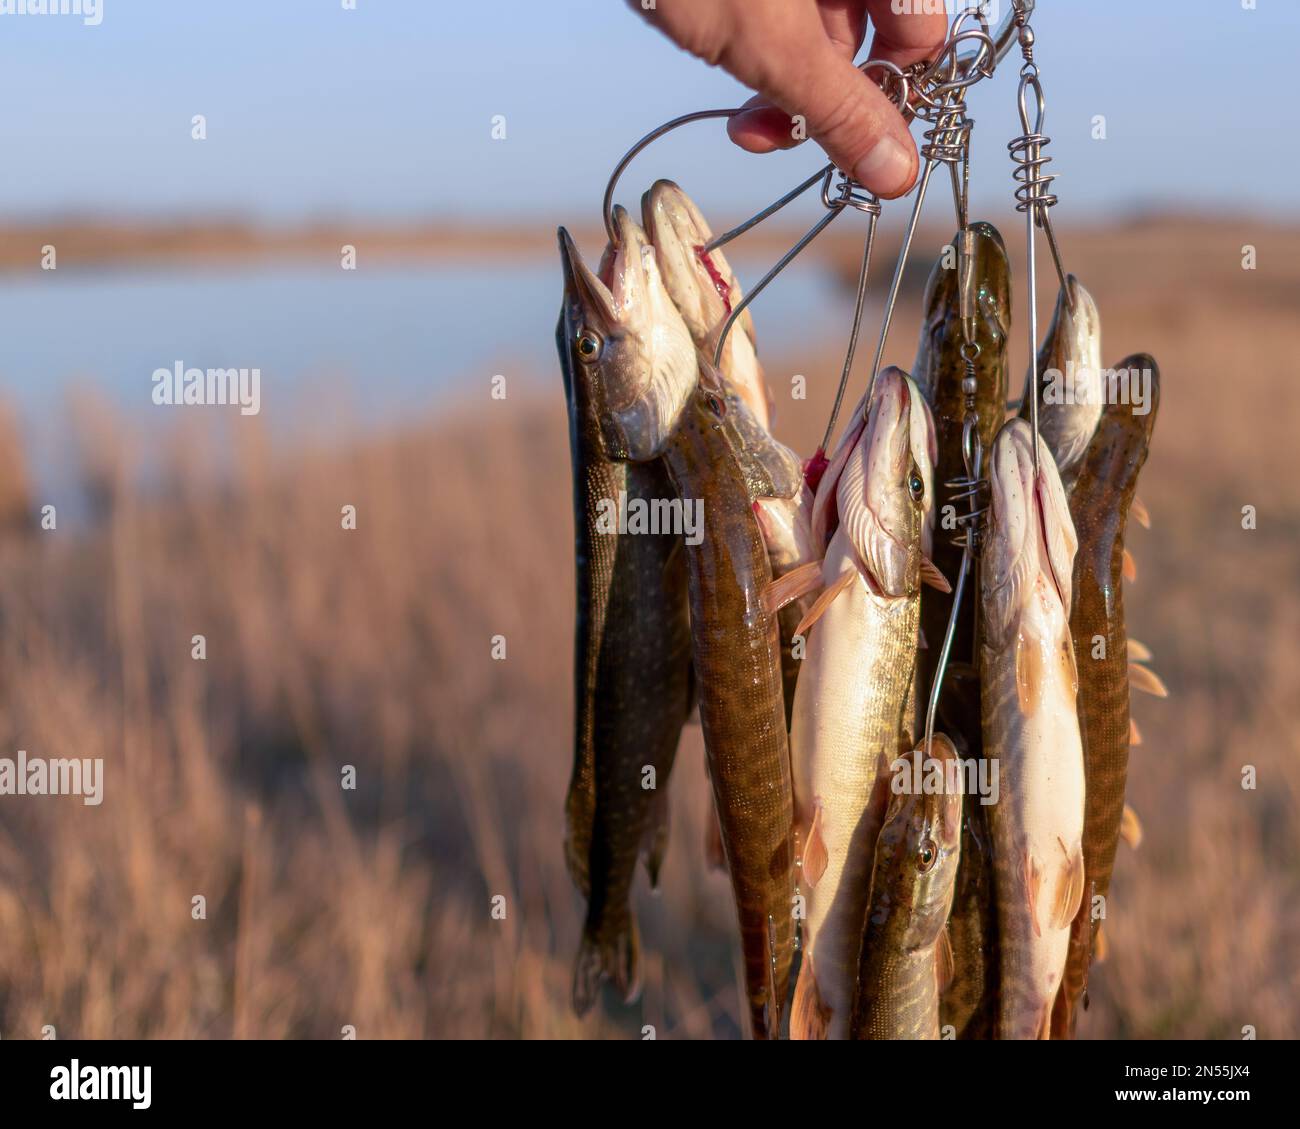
[[848, 115]]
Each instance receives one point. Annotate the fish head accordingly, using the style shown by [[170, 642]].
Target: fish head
[[1070, 377], [703, 287], [1029, 542], [631, 356], [884, 486], [919, 845], [989, 269], [701, 283]]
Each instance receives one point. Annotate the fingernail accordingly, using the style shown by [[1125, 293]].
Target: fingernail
[[886, 169]]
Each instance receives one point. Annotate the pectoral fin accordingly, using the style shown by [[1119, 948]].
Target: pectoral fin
[[931, 575], [1032, 873], [1069, 893], [945, 964], [790, 587], [1140, 512], [1129, 567], [815, 855], [1029, 674], [825, 600]]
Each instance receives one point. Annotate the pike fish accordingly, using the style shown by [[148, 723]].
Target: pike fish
[[859, 664], [1100, 505], [939, 370], [970, 1001], [736, 651], [704, 288], [629, 367], [1028, 698], [1069, 381], [905, 955]]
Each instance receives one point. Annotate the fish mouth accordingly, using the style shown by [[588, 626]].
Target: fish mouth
[[585, 293], [701, 282]]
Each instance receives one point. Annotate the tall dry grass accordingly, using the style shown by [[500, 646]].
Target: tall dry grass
[[372, 648]]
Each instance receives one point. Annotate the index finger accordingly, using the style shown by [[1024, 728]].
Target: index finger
[[906, 31]]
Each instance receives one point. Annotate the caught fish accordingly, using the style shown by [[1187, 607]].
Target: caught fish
[[737, 657], [1028, 699], [969, 1004], [905, 955], [703, 287], [1100, 505], [783, 506], [1069, 381], [705, 290], [629, 367], [859, 663], [969, 1001]]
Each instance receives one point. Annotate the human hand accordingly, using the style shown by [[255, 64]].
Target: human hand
[[798, 55]]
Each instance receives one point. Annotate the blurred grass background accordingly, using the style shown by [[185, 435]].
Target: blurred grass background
[[371, 648]]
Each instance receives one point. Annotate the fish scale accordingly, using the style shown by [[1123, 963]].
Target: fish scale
[[737, 658], [1099, 505], [1028, 700]]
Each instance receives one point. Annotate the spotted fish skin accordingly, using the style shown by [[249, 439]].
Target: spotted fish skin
[[1099, 506], [631, 640], [913, 875], [737, 657], [970, 1001], [857, 672]]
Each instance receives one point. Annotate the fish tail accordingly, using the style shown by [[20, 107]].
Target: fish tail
[[617, 958]]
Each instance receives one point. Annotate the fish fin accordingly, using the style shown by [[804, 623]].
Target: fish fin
[[1032, 873], [1147, 680], [654, 842], [931, 575], [1134, 733], [1029, 674], [714, 854], [1100, 946], [815, 856], [789, 587], [1069, 894], [1129, 567], [1138, 652], [1140, 512], [1130, 828], [809, 1017], [619, 960], [825, 600], [1045, 1023], [945, 964]]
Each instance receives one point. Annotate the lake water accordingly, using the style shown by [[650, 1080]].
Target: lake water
[[394, 340]]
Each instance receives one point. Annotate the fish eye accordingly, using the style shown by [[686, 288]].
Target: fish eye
[[926, 855], [589, 345], [915, 486], [716, 406]]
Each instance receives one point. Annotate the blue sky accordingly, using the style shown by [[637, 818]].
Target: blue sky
[[385, 111]]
